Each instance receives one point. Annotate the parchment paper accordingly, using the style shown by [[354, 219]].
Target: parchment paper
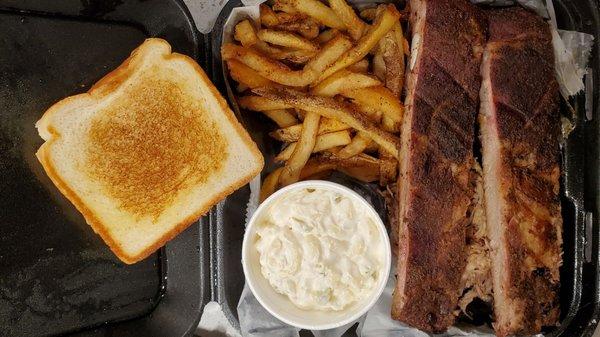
[[572, 51]]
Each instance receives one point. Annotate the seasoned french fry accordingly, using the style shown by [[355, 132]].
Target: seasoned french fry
[[388, 168], [268, 18], [384, 23], [361, 66], [258, 103], [286, 39], [282, 74], [323, 142], [241, 87], [353, 23], [382, 99], [292, 133], [371, 113], [270, 184], [295, 56], [284, 6], [327, 35], [317, 10], [281, 117], [392, 51], [358, 144], [315, 166], [379, 65], [308, 28], [245, 33], [331, 108], [344, 80], [286, 18], [368, 14], [306, 143], [362, 167], [246, 75]]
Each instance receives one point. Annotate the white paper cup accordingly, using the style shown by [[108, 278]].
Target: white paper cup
[[279, 305]]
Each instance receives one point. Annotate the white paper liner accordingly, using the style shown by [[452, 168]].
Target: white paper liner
[[572, 50]]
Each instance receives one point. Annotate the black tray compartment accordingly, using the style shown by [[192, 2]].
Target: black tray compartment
[[56, 276]]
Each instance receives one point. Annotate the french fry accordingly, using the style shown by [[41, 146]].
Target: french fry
[[247, 36], [392, 51], [286, 39], [388, 168], [292, 133], [371, 113], [361, 66], [304, 147], [317, 10], [294, 56], [362, 167], [368, 14], [246, 75], [270, 184], [327, 35], [314, 167], [308, 28], [286, 18], [244, 33], [353, 23], [384, 23], [299, 23], [344, 80], [323, 142], [382, 99], [358, 144], [379, 65], [282, 74], [258, 103], [268, 18], [281, 117], [284, 6], [331, 108], [241, 87]]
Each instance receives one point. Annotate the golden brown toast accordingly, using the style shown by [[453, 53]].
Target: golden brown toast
[[147, 150]]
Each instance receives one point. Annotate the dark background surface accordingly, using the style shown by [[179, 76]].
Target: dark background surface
[[56, 275]]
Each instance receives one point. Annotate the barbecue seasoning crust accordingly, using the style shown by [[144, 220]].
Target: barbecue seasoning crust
[[436, 188], [520, 133]]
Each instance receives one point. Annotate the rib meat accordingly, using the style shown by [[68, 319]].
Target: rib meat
[[436, 187], [519, 133]]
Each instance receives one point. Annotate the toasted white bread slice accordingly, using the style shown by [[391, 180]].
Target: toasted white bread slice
[[147, 150]]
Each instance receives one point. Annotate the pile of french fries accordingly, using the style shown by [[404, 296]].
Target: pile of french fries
[[331, 78]]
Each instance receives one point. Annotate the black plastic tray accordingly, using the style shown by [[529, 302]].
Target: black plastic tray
[[580, 295], [56, 276]]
